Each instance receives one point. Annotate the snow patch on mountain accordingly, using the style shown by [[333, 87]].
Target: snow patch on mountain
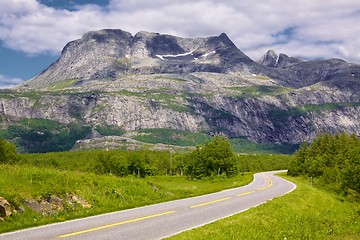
[[174, 56]]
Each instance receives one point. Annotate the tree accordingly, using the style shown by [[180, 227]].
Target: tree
[[7, 152], [215, 158]]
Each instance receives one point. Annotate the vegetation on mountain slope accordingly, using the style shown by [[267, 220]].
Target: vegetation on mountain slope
[[42, 135]]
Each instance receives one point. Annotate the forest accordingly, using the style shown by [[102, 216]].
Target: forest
[[331, 161]]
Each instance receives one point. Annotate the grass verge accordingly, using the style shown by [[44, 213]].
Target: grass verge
[[305, 213], [105, 193]]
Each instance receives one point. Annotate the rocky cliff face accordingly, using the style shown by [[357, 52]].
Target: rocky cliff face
[[149, 80]]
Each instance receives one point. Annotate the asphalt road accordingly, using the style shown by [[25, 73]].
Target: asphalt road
[[164, 219]]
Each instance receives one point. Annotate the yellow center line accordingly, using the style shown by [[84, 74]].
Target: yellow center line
[[207, 203], [271, 183], [246, 193], [115, 224]]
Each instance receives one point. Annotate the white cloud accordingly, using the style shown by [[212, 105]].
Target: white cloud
[[16, 7], [315, 28], [9, 82]]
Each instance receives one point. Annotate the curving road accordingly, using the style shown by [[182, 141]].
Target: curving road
[[164, 219]]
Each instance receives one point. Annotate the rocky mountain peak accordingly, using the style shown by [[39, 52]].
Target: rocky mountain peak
[[273, 60], [109, 53], [225, 40], [269, 59], [105, 35]]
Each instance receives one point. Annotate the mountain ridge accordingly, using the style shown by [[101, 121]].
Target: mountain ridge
[[111, 52]]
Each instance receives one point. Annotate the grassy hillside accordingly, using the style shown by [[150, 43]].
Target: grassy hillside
[[305, 213], [41, 135]]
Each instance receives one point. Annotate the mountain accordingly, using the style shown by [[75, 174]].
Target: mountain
[[113, 53], [114, 80], [298, 73]]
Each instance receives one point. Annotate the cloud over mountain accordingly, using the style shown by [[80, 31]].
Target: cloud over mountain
[[9, 82], [302, 28]]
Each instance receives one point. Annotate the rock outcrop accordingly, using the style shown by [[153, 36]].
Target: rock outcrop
[[5, 208], [55, 204], [295, 73]]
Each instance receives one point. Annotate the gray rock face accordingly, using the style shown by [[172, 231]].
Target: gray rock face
[[286, 61], [55, 204], [269, 59], [312, 72]]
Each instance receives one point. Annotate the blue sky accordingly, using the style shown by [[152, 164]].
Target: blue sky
[[33, 32], [71, 4]]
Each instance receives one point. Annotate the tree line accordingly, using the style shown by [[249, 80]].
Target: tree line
[[214, 158]]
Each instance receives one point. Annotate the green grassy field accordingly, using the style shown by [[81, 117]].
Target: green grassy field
[[106, 193], [305, 213]]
